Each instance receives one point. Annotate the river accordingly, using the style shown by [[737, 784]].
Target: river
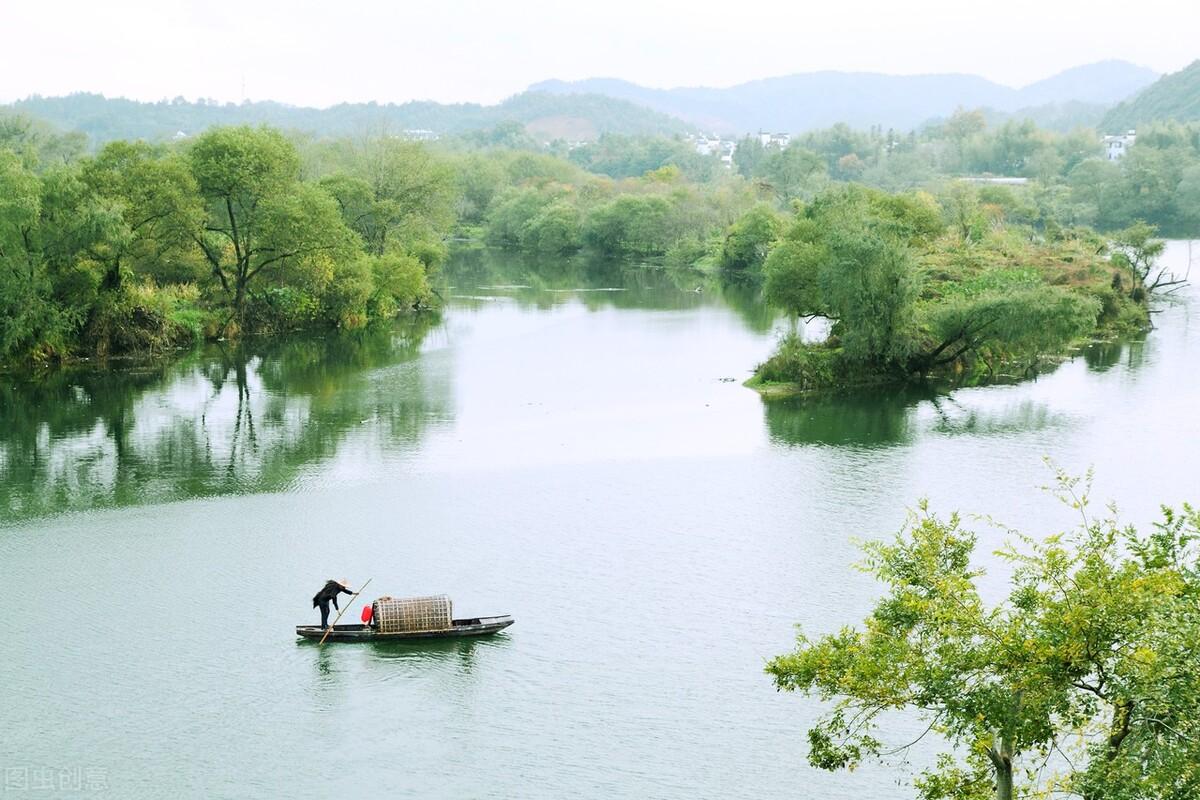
[[569, 443]]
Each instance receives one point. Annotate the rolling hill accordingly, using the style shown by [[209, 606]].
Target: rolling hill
[[549, 116], [819, 99], [1172, 97]]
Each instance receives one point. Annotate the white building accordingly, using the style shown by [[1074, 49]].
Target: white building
[[780, 140], [1118, 145], [714, 145], [706, 145]]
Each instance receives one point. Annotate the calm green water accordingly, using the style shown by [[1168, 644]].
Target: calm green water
[[564, 445]]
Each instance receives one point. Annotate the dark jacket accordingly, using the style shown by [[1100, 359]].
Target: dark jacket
[[330, 591]]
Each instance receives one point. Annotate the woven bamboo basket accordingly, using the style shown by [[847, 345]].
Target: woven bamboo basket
[[413, 614]]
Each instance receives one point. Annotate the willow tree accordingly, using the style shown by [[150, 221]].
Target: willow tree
[[51, 229], [397, 195], [849, 257], [261, 220], [160, 209], [1070, 666]]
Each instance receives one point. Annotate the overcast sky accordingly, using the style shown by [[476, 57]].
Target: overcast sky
[[320, 52]]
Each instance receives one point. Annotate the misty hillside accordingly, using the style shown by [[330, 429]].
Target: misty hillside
[[1175, 96], [861, 99], [546, 116]]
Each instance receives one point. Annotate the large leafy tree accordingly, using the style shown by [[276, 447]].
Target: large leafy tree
[[1084, 662], [793, 172], [261, 220], [160, 208], [52, 229], [396, 194], [748, 241], [848, 257]]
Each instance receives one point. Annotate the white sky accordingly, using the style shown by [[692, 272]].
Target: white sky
[[320, 52]]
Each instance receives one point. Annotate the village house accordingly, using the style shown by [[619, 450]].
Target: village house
[[1117, 145]]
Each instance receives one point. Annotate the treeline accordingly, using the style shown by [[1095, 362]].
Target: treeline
[[105, 119], [1073, 183], [141, 247], [656, 215], [138, 247]]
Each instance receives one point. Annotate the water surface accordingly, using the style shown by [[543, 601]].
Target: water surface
[[569, 443]]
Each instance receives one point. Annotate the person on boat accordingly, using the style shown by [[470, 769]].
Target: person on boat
[[329, 593]]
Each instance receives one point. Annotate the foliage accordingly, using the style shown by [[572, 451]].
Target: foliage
[[747, 242], [140, 248], [792, 173], [1136, 250], [1084, 656], [916, 288], [627, 157], [631, 225], [1175, 96]]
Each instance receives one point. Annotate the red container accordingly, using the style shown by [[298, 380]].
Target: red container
[[366, 614]]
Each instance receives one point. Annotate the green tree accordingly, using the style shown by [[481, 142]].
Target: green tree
[[1092, 183], [554, 229], [260, 219], [631, 225], [1137, 251], [748, 155], [29, 320], [793, 173], [847, 257], [512, 212], [160, 209], [1082, 651], [479, 179], [1187, 202], [748, 241], [1003, 317]]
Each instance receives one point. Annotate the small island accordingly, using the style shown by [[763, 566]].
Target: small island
[[916, 288]]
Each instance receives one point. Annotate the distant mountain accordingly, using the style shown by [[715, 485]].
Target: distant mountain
[[1061, 117], [1102, 83], [1175, 97], [818, 99], [575, 116]]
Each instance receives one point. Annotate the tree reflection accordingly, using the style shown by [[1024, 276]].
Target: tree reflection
[[1103, 356], [475, 275], [252, 417], [865, 418], [898, 417]]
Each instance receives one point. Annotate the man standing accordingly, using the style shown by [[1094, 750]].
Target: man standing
[[329, 593]]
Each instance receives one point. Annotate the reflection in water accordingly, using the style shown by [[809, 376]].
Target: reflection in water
[[1103, 356], [958, 419], [461, 652], [888, 418], [868, 419], [223, 420], [475, 275]]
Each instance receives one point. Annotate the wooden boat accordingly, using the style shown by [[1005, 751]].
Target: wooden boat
[[475, 626]]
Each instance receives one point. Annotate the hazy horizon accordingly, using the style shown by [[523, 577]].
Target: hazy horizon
[[307, 54]]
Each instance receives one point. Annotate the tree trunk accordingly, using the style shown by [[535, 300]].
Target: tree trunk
[[1001, 755], [1004, 782]]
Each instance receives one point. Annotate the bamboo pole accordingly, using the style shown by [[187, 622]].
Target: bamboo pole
[[343, 611]]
